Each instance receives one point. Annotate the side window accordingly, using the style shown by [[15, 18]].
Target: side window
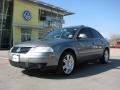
[[87, 32], [96, 34]]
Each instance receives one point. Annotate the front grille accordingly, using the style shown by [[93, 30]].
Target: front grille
[[20, 49]]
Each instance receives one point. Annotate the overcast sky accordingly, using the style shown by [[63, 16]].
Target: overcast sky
[[103, 15]]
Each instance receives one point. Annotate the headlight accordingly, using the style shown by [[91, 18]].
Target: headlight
[[42, 49]]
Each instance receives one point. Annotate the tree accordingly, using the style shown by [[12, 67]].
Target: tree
[[114, 38]]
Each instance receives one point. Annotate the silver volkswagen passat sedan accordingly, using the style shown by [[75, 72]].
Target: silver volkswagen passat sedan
[[63, 48]]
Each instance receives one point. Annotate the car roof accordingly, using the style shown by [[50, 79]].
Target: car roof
[[79, 26]]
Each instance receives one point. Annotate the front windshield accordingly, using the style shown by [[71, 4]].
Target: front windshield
[[64, 33]]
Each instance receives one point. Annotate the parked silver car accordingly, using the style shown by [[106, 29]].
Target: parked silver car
[[62, 48]]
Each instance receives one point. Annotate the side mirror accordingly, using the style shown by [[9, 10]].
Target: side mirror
[[70, 36], [82, 35]]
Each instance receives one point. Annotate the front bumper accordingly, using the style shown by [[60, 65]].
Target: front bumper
[[27, 65], [32, 60]]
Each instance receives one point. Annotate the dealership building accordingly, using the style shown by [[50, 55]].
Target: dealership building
[[27, 20]]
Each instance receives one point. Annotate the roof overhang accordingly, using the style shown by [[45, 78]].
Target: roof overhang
[[65, 12]]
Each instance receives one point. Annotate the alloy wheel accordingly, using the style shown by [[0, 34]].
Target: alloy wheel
[[68, 64]]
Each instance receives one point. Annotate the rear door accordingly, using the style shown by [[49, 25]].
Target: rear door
[[85, 45], [98, 43]]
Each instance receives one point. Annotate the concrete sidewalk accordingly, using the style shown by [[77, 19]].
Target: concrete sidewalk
[[4, 53], [115, 52], [94, 76]]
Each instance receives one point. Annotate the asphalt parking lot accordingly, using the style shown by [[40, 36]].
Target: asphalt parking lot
[[92, 76]]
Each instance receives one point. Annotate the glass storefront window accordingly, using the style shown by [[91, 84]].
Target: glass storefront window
[[25, 34], [5, 23], [1, 5]]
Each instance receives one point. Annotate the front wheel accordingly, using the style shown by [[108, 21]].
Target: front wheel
[[66, 63], [105, 58]]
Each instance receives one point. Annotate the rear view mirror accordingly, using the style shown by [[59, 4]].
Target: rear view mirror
[[82, 35]]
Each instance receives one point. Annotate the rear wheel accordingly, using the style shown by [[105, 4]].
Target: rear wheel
[[105, 58], [66, 63]]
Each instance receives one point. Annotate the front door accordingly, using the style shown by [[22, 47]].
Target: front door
[[85, 45]]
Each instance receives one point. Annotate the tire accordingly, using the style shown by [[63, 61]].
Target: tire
[[66, 64], [105, 58]]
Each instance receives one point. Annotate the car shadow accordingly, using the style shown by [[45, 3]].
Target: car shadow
[[84, 70]]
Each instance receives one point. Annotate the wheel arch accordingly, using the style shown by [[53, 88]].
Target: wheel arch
[[59, 70], [69, 50], [107, 48]]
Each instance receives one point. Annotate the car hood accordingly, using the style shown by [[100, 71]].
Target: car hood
[[43, 42]]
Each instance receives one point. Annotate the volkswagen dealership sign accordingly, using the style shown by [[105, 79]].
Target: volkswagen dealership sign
[[27, 15]]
